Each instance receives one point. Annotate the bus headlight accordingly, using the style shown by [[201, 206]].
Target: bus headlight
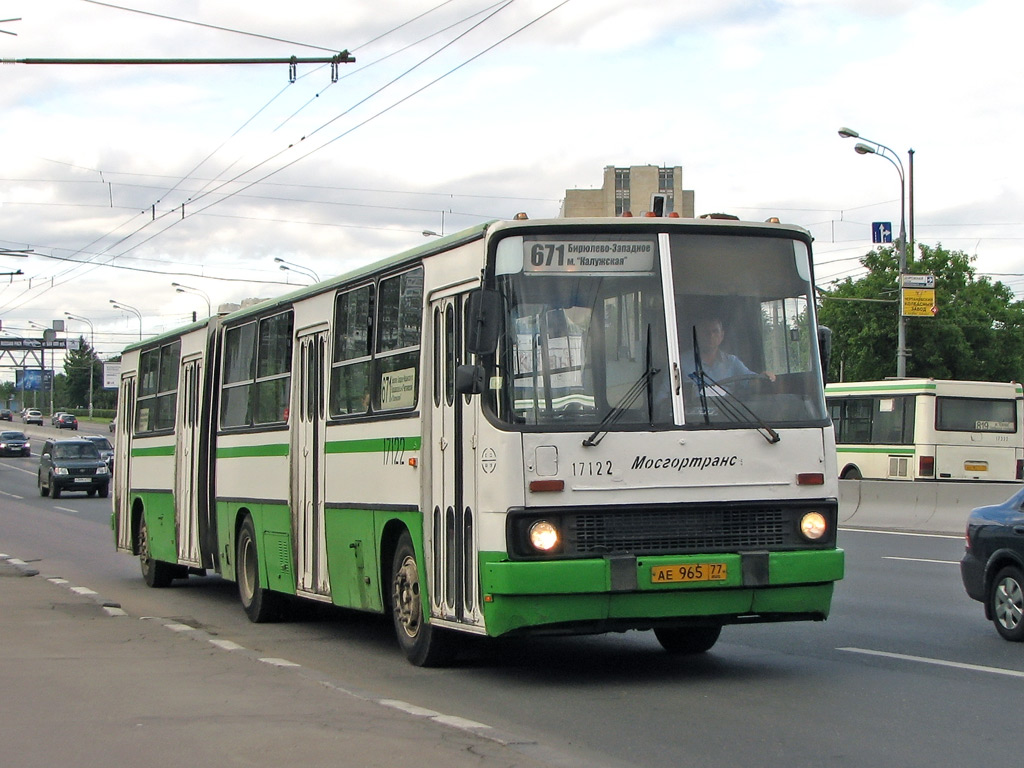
[[813, 526], [544, 536]]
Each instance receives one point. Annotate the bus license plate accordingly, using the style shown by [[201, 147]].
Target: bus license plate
[[680, 574]]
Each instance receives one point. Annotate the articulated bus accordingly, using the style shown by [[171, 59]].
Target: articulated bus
[[928, 429], [508, 431]]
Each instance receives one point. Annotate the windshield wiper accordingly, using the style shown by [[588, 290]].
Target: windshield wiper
[[732, 406], [642, 384]]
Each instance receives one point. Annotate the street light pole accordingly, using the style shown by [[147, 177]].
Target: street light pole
[[92, 351], [179, 288], [868, 147], [128, 308], [289, 266]]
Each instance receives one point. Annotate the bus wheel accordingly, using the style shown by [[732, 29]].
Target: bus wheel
[[155, 573], [261, 605], [423, 644], [1006, 603], [687, 640]]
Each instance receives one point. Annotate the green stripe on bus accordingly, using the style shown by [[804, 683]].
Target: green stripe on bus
[[159, 450], [374, 445], [835, 389], [898, 451], [249, 451]]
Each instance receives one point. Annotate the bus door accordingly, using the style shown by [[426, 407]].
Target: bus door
[[450, 528], [309, 420], [124, 427], [186, 461]]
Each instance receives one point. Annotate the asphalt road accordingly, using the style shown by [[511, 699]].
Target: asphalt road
[[906, 672]]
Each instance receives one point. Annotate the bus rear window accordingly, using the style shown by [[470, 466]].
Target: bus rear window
[[968, 414]]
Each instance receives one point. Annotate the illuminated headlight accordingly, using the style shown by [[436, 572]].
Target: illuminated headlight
[[60, 470], [544, 536], [813, 526]]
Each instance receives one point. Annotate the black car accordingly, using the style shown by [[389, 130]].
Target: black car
[[67, 421], [6, 415], [992, 567], [72, 465], [105, 448], [14, 444]]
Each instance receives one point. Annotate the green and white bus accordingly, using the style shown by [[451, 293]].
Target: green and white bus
[[928, 429], [506, 431]]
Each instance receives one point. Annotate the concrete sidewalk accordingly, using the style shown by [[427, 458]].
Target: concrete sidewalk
[[85, 685]]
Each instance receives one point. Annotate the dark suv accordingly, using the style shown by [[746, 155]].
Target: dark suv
[[72, 465]]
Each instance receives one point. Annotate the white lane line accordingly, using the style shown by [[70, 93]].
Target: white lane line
[[936, 662], [12, 495], [227, 645], [278, 662], [921, 560], [904, 533], [65, 509]]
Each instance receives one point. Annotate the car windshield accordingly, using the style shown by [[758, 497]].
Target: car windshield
[[11, 436], [102, 443], [76, 451]]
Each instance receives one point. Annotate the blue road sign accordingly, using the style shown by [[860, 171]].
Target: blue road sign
[[881, 232]]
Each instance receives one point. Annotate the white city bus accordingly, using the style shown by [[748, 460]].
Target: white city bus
[[506, 431], [928, 429]]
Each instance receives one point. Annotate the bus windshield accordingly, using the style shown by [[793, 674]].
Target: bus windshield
[[647, 331]]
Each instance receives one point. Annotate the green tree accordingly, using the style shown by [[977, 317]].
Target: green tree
[[978, 333], [79, 364]]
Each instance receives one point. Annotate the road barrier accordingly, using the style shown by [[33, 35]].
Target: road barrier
[[929, 507]]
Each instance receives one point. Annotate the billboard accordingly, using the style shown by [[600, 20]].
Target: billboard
[[111, 375], [33, 380]]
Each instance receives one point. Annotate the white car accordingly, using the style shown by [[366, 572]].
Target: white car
[[33, 416]]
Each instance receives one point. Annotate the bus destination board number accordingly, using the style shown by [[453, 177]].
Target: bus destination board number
[[620, 257], [679, 574]]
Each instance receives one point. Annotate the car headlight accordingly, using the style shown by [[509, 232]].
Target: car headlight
[[60, 470], [813, 526], [544, 536], [101, 469]]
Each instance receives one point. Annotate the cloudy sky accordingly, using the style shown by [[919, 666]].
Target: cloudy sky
[[121, 179]]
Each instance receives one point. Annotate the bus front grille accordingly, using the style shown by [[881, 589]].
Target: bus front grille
[[704, 530]]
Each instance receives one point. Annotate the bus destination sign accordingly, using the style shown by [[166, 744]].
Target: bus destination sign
[[620, 257]]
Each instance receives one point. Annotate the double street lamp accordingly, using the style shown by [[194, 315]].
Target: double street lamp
[[288, 266], [128, 308], [179, 288], [868, 147]]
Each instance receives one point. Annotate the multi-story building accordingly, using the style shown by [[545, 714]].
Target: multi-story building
[[635, 190]]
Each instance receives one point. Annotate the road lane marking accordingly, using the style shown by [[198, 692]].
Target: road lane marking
[[936, 662], [959, 537], [921, 560], [12, 495], [69, 511]]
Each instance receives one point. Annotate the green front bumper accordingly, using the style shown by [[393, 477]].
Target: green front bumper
[[619, 593]]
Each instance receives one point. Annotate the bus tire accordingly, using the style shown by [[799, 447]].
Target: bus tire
[[687, 640], [1006, 603], [423, 644], [155, 573], [261, 605]]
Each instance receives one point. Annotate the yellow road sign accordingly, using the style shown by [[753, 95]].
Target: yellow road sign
[[919, 302]]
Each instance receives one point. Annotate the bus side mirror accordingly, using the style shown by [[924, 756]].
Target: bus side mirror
[[484, 321], [824, 349], [469, 379]]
